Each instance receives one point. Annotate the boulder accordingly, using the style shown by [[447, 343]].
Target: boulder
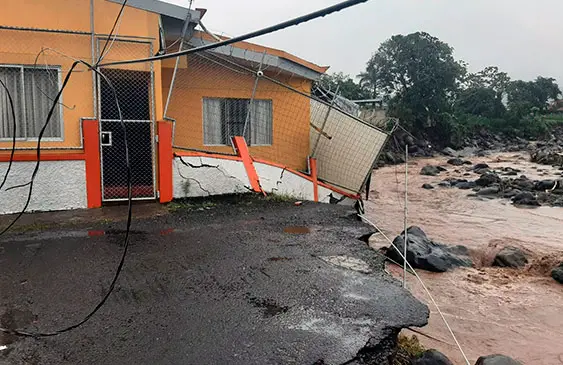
[[430, 170], [523, 183], [480, 166], [557, 273], [488, 179], [525, 198], [423, 253], [432, 357], [496, 360], [445, 184], [448, 151], [458, 162], [427, 186], [544, 185], [510, 193], [482, 171], [510, 257], [466, 185], [491, 190]]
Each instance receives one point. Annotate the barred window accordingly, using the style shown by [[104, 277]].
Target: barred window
[[224, 118], [33, 91]]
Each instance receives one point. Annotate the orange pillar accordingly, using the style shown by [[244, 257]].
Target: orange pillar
[[165, 157], [313, 167], [244, 153], [90, 129]]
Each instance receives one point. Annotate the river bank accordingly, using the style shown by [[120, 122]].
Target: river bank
[[491, 310]]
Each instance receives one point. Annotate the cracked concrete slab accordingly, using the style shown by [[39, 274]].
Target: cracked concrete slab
[[227, 285]]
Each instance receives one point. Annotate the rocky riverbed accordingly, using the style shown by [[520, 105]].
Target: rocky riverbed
[[514, 311]]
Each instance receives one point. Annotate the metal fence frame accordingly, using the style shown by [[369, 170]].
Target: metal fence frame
[[152, 120]]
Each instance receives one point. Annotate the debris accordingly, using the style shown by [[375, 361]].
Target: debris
[[298, 203]]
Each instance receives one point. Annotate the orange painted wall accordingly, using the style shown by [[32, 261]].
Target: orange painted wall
[[201, 79], [22, 48]]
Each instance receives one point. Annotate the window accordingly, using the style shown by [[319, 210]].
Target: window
[[225, 118], [33, 90]]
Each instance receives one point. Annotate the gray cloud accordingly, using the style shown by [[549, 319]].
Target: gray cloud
[[519, 36]]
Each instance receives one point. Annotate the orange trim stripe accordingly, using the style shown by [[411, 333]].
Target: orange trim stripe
[[305, 176], [313, 167], [93, 166], [242, 149], [20, 156], [203, 154], [237, 158], [165, 157]]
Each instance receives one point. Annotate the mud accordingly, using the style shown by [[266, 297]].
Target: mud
[[491, 310]]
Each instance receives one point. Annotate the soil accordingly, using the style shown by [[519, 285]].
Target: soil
[[491, 310]]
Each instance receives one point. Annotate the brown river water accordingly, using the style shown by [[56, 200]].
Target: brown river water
[[518, 313]]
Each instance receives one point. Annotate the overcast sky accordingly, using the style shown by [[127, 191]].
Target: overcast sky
[[521, 37]]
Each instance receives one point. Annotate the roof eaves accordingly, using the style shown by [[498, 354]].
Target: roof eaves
[[162, 8]]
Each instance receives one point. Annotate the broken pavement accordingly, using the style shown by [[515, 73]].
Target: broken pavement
[[224, 282]]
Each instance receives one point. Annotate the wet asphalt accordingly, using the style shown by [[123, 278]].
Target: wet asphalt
[[236, 281]]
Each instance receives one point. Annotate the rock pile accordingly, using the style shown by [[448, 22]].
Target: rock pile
[[505, 184]]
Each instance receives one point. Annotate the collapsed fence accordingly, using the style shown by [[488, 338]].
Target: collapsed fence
[[279, 107]]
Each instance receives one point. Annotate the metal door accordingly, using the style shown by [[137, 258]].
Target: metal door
[[134, 94]]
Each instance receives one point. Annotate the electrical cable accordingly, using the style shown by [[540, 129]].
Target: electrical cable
[[14, 126], [129, 210], [263, 31], [116, 23], [257, 33], [422, 283]]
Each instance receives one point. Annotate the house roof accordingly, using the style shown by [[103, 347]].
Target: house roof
[[256, 53], [162, 8]]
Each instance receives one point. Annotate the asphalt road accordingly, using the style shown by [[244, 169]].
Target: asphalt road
[[243, 281]]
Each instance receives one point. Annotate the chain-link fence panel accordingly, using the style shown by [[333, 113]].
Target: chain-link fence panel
[[221, 94], [33, 64], [126, 93]]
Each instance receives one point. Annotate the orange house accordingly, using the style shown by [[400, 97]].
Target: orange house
[[170, 109]]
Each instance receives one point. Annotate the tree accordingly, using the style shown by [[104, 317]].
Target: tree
[[346, 86], [525, 97], [419, 75], [491, 78], [480, 101]]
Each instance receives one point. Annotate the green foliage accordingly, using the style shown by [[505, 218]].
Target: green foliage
[[417, 73], [346, 86], [480, 101], [531, 97], [408, 349]]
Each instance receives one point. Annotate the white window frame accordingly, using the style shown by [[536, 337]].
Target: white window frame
[[60, 102], [229, 144]]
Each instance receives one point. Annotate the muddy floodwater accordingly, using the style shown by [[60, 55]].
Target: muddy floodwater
[[491, 310]]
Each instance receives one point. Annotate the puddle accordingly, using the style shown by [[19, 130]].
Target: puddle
[[297, 230], [270, 307]]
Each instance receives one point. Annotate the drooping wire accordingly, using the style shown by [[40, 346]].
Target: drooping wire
[[116, 23], [14, 126], [129, 211], [421, 283]]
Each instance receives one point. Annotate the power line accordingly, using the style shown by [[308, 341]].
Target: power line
[[254, 34]]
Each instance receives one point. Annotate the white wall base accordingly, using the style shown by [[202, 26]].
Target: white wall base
[[59, 185], [195, 176], [204, 176]]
